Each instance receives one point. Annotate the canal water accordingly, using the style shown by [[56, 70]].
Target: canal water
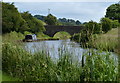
[[55, 47]]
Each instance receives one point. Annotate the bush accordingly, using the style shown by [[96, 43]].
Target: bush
[[100, 67], [93, 27], [27, 32], [12, 37], [106, 24], [115, 24], [19, 63]]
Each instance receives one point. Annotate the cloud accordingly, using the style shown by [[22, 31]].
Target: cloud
[[83, 11]]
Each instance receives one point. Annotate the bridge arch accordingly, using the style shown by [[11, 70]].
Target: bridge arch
[[52, 29]]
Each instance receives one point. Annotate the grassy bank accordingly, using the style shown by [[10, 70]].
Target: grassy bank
[[21, 64], [107, 41], [62, 35], [6, 77], [104, 41]]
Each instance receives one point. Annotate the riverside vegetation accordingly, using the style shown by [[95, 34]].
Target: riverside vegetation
[[24, 66], [21, 64]]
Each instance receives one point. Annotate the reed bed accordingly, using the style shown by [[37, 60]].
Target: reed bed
[[39, 66]]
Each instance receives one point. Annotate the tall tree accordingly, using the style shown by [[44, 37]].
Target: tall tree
[[106, 24], [113, 12], [34, 25], [11, 19], [40, 17], [51, 20], [78, 22]]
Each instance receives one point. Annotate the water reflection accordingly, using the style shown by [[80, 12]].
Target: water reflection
[[53, 48]]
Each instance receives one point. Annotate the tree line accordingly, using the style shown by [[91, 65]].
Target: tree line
[[12, 20], [52, 20], [111, 20]]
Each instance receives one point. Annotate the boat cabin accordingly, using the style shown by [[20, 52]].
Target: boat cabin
[[30, 37]]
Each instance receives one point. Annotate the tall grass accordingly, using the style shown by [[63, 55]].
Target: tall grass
[[108, 41], [40, 67], [95, 65]]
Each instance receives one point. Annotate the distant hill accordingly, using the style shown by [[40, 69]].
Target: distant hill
[[61, 21]]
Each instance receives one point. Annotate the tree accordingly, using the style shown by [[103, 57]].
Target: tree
[[51, 20], [78, 22], [93, 27], [40, 17], [106, 24], [69, 22], [34, 25], [113, 12], [11, 19], [115, 24]]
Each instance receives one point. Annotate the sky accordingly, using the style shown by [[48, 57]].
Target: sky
[[82, 11]]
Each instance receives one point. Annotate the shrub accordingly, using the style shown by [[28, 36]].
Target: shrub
[[106, 24], [100, 67], [27, 32], [93, 27], [115, 24]]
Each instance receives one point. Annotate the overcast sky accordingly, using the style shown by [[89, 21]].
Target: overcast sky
[[83, 10]]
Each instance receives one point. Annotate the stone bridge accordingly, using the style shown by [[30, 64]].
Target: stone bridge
[[51, 30]]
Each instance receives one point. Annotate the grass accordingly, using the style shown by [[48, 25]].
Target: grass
[[62, 35], [41, 35], [40, 67], [107, 41], [18, 63], [6, 77]]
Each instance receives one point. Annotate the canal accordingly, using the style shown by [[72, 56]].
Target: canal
[[56, 48]]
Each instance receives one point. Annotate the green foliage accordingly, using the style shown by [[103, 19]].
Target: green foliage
[[100, 67], [11, 19], [51, 20], [40, 17], [6, 77], [113, 12], [14, 21], [78, 22], [62, 35], [12, 37], [93, 27], [60, 21], [69, 22], [85, 35], [26, 33], [19, 63], [115, 24], [41, 35], [76, 37], [106, 24], [40, 67], [34, 25], [108, 41]]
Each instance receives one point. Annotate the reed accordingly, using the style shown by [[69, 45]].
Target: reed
[[39, 66]]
